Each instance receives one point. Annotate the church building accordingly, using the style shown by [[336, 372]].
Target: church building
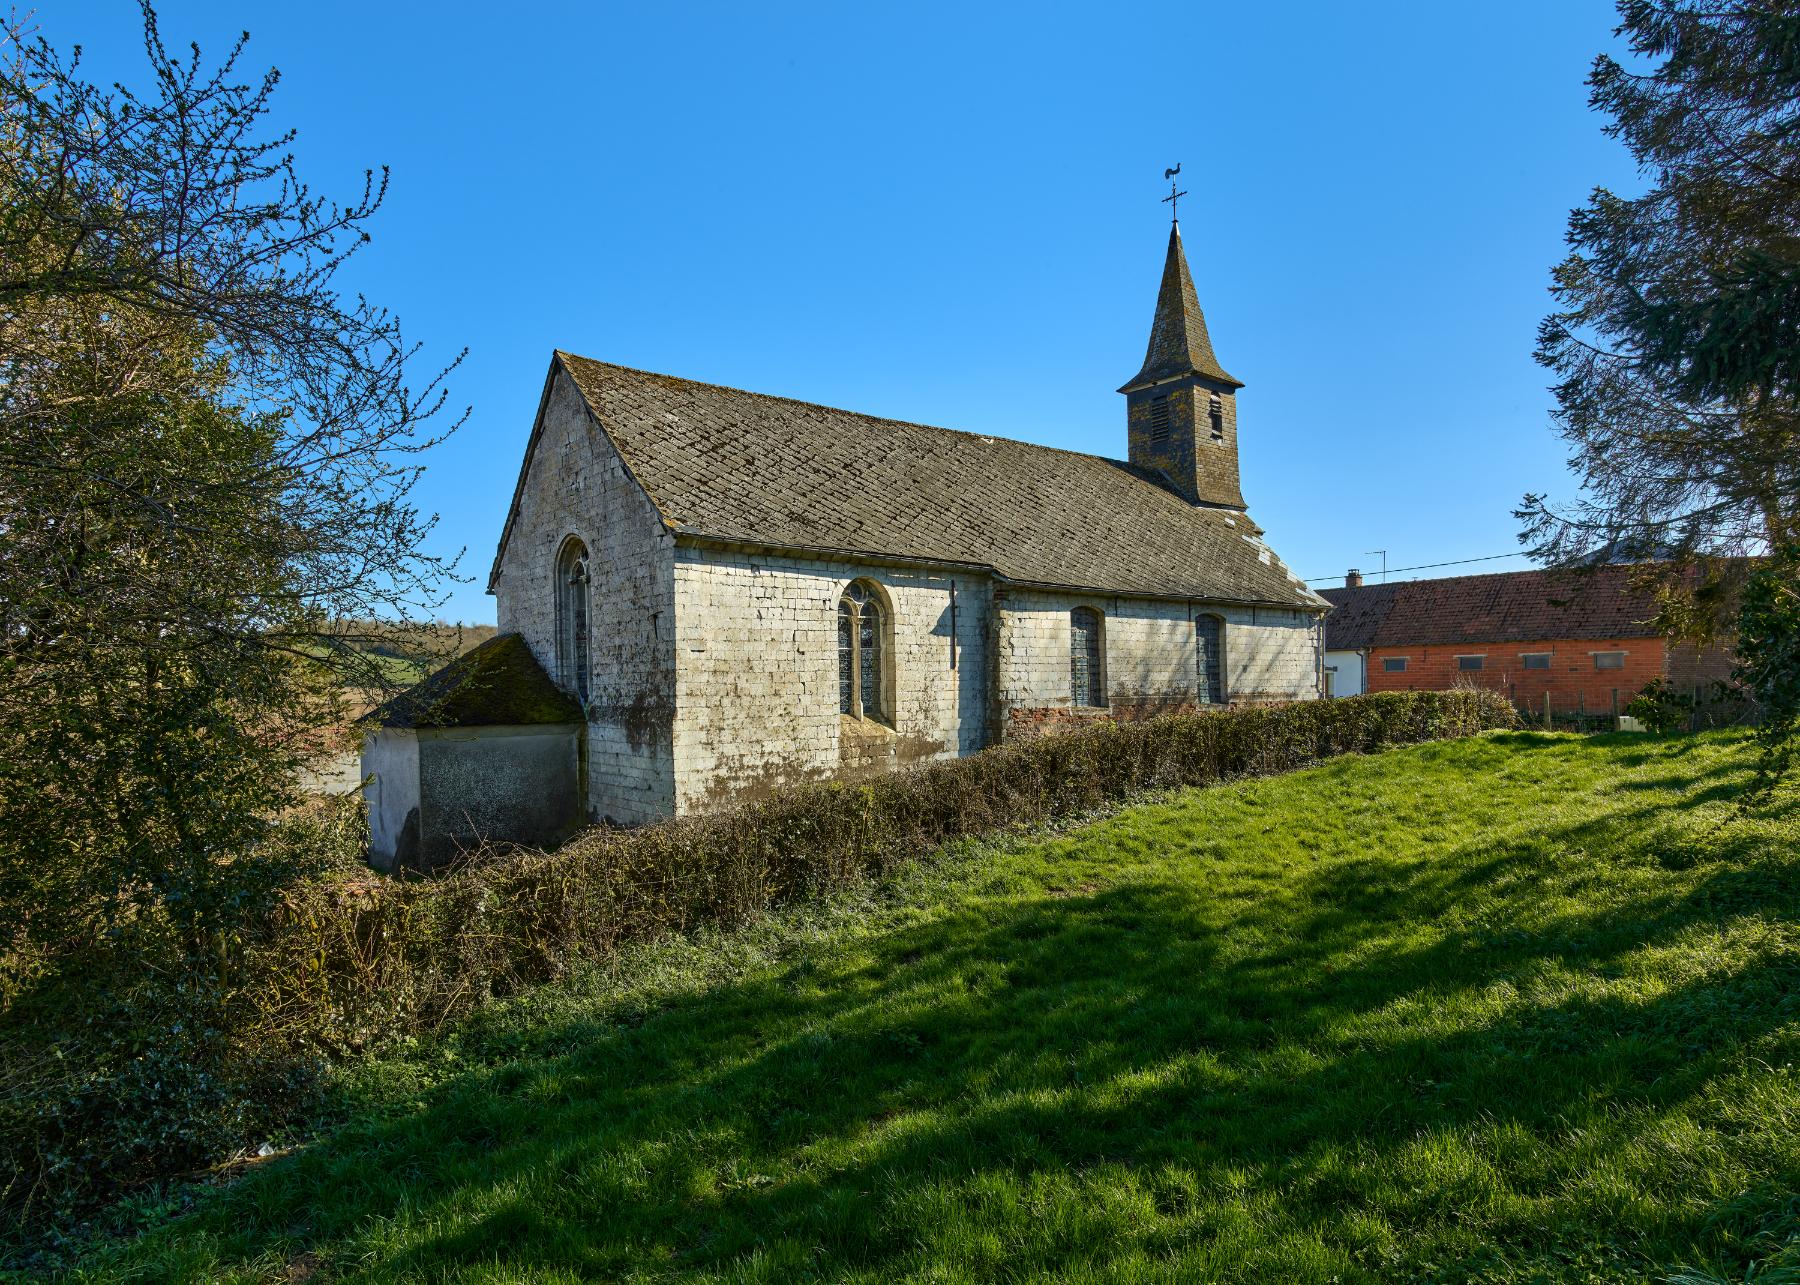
[[741, 591]]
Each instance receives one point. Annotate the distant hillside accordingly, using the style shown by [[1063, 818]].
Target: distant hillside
[[402, 653], [411, 651]]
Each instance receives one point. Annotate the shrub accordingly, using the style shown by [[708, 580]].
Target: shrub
[[182, 1068], [1769, 662], [1659, 707]]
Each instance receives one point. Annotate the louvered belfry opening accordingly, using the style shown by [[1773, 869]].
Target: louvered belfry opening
[[1087, 681], [1159, 421]]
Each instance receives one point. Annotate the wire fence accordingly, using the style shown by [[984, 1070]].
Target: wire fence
[[1708, 705]]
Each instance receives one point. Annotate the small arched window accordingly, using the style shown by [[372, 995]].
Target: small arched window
[[1087, 679], [1209, 659], [1215, 416], [573, 627], [862, 646]]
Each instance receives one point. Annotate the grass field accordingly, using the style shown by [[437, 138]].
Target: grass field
[[1522, 1008]]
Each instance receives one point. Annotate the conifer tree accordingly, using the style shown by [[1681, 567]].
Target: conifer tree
[[1676, 339], [1676, 342]]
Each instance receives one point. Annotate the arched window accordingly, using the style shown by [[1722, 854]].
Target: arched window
[[1087, 678], [1209, 659], [862, 643], [573, 657]]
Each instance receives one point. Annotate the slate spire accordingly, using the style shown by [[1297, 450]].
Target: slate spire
[[1181, 408], [1179, 344]]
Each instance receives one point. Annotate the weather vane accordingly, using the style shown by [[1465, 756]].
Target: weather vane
[[1173, 195]]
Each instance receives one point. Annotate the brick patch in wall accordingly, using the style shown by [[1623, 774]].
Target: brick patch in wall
[[1025, 724]]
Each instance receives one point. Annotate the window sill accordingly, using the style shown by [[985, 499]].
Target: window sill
[[865, 726]]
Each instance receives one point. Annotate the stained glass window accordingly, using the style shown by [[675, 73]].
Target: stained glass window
[[868, 646], [574, 658], [1208, 658], [1086, 682], [846, 660], [862, 630]]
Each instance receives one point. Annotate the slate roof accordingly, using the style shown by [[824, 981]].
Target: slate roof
[[1179, 344], [1505, 607], [1356, 614], [498, 684], [726, 464]]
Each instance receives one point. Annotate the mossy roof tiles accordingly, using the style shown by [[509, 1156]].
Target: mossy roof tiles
[[730, 465], [498, 684]]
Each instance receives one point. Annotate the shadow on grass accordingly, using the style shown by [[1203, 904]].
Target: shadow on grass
[[898, 1099]]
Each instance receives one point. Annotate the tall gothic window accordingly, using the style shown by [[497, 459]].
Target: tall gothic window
[[1209, 659], [1087, 681], [574, 660], [1215, 415], [862, 637]]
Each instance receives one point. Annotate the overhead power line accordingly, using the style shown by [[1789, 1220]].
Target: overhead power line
[[1425, 566]]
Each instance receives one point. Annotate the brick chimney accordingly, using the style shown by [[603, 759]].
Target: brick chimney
[[1353, 580]]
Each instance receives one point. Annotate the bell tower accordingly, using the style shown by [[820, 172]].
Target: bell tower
[[1181, 408]]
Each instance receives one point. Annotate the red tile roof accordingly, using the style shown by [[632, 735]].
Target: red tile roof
[[1511, 606]]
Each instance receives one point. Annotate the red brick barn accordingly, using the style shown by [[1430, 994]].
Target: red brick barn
[[1584, 640]]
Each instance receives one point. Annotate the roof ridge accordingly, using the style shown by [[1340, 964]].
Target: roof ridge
[[730, 464], [1572, 572], [845, 410]]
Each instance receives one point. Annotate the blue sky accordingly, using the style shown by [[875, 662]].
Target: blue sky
[[950, 213]]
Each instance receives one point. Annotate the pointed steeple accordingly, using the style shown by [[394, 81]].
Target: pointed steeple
[[1181, 408], [1179, 344]]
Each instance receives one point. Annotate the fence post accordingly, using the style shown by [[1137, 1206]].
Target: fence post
[[1615, 692], [1546, 709]]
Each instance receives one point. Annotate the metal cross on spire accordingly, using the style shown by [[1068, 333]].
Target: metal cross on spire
[[1173, 195]]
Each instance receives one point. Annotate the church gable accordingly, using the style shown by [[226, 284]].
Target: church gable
[[585, 574], [569, 468]]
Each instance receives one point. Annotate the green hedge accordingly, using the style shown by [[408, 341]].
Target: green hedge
[[156, 1077], [353, 964]]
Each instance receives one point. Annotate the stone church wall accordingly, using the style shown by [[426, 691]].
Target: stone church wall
[[577, 485], [756, 673], [756, 669], [1270, 654]]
